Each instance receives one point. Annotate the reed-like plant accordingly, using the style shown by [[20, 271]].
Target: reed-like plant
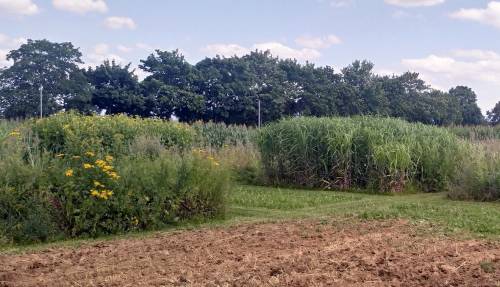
[[367, 152]]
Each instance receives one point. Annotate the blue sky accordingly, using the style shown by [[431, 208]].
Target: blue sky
[[449, 42]]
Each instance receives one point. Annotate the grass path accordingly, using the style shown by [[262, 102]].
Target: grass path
[[475, 218]]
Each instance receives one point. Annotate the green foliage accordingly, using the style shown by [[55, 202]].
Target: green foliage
[[434, 212], [217, 135], [43, 63], [116, 89], [222, 89], [106, 196], [479, 175], [476, 133], [377, 153], [493, 116], [78, 176], [75, 134], [25, 216]]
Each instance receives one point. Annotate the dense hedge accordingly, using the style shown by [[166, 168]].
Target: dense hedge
[[366, 152], [72, 176]]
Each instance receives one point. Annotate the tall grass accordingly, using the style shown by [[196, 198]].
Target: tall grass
[[376, 153], [479, 175], [477, 133], [217, 135]]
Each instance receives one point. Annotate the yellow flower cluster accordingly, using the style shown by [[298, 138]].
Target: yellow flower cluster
[[87, 166], [213, 160], [98, 190], [69, 172], [205, 154], [102, 194], [15, 133], [106, 167]]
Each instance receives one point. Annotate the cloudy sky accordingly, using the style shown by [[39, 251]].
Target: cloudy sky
[[449, 42]]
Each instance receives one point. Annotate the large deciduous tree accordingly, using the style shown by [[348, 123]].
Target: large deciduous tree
[[42, 63], [171, 86], [493, 116], [116, 89], [467, 100]]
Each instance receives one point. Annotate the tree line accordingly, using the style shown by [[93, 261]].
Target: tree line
[[222, 89]]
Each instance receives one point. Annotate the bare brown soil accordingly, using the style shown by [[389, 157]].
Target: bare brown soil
[[307, 253]]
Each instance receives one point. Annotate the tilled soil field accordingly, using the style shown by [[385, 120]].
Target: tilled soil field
[[305, 253]]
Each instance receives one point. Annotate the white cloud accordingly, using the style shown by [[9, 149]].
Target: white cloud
[[226, 50], [18, 7], [489, 16], [3, 59], [478, 69], [276, 49], [81, 6], [318, 42], [8, 42], [120, 23], [100, 53], [476, 54], [414, 3]]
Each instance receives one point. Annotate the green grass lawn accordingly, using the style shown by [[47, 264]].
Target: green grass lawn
[[432, 213], [475, 218]]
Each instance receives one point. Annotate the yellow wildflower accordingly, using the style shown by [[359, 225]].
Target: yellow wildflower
[[69, 172], [107, 168], [109, 158], [87, 166], [89, 153], [100, 163], [14, 133], [113, 175], [94, 193], [98, 184], [135, 221]]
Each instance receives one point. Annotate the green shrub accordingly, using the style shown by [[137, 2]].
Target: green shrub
[[71, 133], [25, 216], [367, 152], [77, 181], [102, 195]]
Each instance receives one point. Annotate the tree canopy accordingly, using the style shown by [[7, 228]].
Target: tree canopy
[[493, 116], [223, 89], [40, 63]]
